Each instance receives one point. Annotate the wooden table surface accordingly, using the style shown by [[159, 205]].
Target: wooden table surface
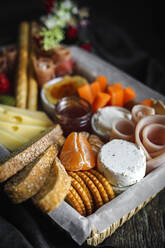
[[145, 229]]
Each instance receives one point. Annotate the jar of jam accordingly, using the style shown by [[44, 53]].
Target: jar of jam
[[73, 114]]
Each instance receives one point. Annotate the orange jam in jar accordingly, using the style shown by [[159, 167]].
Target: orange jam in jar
[[73, 114]]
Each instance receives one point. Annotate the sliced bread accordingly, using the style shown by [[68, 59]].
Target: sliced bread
[[16, 161], [55, 188], [31, 178]]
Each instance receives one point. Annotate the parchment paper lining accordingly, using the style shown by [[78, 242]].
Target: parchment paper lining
[[80, 227]]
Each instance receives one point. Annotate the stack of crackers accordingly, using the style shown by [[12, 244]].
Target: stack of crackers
[[89, 191]]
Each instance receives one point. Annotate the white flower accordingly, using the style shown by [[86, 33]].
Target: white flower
[[49, 21], [67, 4], [75, 10]]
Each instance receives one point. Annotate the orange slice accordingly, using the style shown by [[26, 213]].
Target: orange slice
[[77, 153]]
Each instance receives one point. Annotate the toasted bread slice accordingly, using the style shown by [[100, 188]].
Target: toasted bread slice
[[16, 161], [31, 178], [55, 188]]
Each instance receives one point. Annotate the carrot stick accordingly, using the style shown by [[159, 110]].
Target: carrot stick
[[84, 91], [117, 96], [95, 88], [147, 102], [129, 94], [100, 101], [102, 81], [118, 85]]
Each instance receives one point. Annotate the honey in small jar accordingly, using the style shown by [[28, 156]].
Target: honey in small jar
[[73, 114]]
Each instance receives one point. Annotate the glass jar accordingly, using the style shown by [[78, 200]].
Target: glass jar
[[73, 114]]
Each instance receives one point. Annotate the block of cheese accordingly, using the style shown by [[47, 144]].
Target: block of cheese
[[122, 162], [26, 131], [24, 116], [10, 141]]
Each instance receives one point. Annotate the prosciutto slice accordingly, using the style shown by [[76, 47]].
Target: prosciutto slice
[[44, 69], [123, 129], [140, 111], [150, 135]]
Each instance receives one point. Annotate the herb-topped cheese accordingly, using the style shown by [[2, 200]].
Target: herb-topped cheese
[[123, 163]]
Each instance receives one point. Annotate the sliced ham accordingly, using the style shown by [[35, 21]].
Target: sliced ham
[[140, 111], [64, 68], [123, 129], [150, 136], [44, 69], [61, 54]]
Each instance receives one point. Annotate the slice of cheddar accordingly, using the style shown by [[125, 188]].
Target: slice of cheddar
[[11, 142], [24, 116], [26, 131]]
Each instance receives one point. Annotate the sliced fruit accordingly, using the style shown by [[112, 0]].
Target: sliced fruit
[[101, 100], [117, 96], [103, 82], [85, 92], [95, 88], [129, 94], [77, 153], [118, 85], [147, 102]]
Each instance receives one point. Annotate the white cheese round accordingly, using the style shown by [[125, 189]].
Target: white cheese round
[[103, 119], [123, 163]]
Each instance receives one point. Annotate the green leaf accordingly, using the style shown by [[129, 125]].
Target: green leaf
[[7, 100], [51, 37]]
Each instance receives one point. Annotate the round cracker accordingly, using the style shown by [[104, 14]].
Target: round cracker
[[105, 183], [78, 199], [99, 186], [93, 189], [73, 202], [81, 182], [83, 195]]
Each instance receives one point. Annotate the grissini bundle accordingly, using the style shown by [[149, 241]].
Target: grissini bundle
[[21, 77], [32, 83]]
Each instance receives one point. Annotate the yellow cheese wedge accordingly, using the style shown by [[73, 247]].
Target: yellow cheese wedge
[[11, 142], [26, 131], [24, 116]]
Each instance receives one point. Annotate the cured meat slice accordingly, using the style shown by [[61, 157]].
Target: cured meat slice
[[150, 136], [123, 129], [140, 111]]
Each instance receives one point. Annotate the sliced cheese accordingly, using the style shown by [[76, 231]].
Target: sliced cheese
[[11, 142], [26, 131], [14, 115]]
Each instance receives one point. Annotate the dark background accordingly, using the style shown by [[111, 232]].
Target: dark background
[[128, 36]]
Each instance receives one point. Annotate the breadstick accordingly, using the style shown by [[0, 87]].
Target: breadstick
[[21, 79], [32, 83]]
